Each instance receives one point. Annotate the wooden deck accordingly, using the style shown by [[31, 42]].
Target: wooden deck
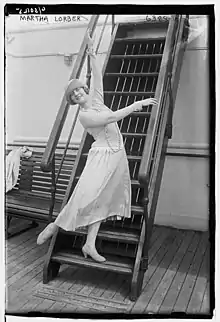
[[177, 279]]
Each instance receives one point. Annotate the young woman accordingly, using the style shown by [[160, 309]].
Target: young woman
[[103, 191]]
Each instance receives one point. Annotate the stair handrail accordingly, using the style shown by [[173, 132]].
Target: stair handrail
[[167, 91], [64, 107], [166, 64], [151, 187]]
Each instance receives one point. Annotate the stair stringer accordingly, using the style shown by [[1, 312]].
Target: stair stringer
[[138, 270]]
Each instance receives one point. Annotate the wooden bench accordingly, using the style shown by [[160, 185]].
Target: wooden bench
[[33, 198]]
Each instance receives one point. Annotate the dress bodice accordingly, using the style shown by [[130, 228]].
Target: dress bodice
[[106, 135]]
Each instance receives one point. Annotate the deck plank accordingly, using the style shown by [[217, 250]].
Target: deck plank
[[67, 279], [187, 287], [22, 284], [18, 241], [44, 306], [161, 270], [81, 278], [157, 244], [24, 291], [69, 308], [157, 230], [171, 265], [89, 289], [25, 260], [112, 286], [115, 287], [57, 307], [102, 286], [31, 304], [64, 278], [91, 284], [12, 252], [156, 254], [205, 305], [26, 271], [12, 257], [157, 270], [156, 241], [123, 291], [86, 290], [74, 282], [172, 294], [166, 281], [17, 306], [200, 286]]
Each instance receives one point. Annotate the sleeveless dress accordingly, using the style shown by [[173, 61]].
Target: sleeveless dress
[[103, 191]]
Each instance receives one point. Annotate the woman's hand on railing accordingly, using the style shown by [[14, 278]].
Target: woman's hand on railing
[[90, 42], [138, 106]]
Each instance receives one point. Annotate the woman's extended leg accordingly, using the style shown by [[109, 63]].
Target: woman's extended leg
[[47, 233], [89, 247]]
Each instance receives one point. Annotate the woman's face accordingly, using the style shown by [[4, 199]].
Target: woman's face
[[79, 96]]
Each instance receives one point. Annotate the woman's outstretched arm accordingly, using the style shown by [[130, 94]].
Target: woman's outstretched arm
[[91, 118], [96, 90]]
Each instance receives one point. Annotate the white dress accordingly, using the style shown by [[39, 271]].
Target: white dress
[[104, 188]]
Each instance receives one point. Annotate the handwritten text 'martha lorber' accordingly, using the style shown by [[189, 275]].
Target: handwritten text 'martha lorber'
[[49, 19]]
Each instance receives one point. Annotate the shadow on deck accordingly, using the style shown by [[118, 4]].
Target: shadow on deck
[[177, 279]]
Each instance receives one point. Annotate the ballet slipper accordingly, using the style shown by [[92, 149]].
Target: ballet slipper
[[92, 253], [46, 234]]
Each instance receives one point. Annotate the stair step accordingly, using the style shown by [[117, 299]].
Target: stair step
[[133, 134], [134, 158], [137, 56], [128, 224], [137, 209], [141, 114], [132, 74], [118, 234], [125, 225], [129, 93], [133, 182], [113, 263], [119, 250], [129, 157], [142, 40]]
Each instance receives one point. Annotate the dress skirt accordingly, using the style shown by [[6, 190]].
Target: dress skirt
[[103, 191]]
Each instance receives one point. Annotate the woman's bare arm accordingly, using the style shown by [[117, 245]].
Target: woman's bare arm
[[96, 92], [96, 89], [91, 118]]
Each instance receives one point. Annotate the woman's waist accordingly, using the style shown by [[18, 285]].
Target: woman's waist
[[106, 143]]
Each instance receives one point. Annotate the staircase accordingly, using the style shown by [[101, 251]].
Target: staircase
[[141, 64]]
